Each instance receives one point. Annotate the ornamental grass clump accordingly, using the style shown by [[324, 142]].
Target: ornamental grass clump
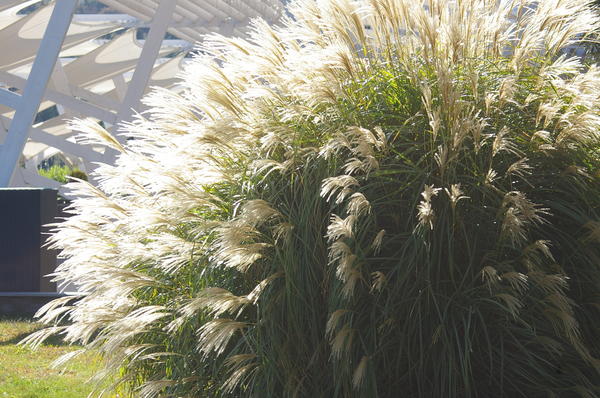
[[375, 199]]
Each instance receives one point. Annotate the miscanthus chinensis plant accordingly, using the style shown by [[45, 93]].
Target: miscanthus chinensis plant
[[375, 199]]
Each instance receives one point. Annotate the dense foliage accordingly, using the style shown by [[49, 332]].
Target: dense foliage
[[377, 198], [62, 173]]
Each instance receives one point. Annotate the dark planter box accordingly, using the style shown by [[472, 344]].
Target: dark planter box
[[23, 261]]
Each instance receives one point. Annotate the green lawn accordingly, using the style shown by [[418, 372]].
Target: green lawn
[[25, 373]]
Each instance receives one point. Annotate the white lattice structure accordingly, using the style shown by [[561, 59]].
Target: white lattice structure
[[50, 57]]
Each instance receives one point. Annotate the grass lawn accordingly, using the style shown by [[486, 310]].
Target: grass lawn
[[25, 373]]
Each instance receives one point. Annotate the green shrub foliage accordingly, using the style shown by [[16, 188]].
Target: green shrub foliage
[[76, 173], [62, 173], [56, 173], [375, 199]]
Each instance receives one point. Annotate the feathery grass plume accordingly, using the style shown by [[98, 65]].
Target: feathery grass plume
[[277, 230]]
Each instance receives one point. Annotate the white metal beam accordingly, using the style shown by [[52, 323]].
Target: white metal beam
[[134, 9], [9, 98], [66, 146], [93, 101], [137, 86], [42, 68], [60, 80], [120, 86]]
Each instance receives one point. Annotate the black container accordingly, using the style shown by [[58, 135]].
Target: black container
[[23, 261]]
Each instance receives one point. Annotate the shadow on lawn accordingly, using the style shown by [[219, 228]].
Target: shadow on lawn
[[14, 339]]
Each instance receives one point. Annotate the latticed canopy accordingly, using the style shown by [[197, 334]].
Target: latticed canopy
[[67, 66]]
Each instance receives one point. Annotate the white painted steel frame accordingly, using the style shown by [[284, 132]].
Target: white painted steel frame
[[145, 65], [33, 94], [46, 67], [189, 19], [10, 99], [94, 105], [194, 18]]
